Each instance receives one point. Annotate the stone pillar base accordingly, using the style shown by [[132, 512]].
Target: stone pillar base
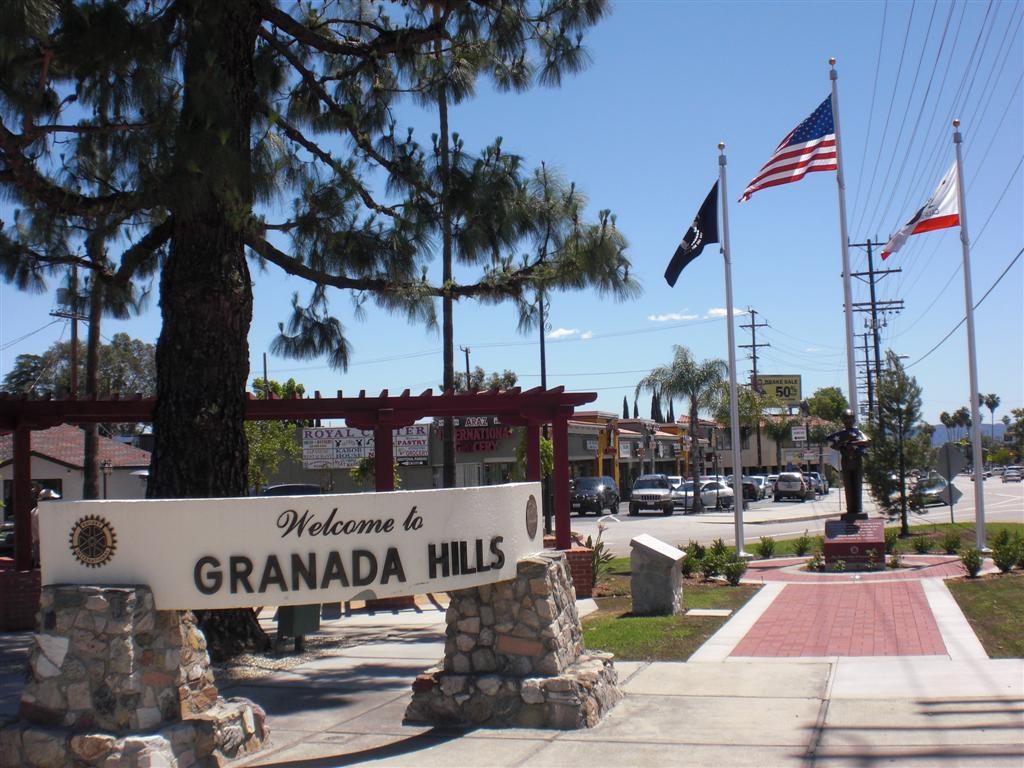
[[229, 729], [514, 657], [578, 698]]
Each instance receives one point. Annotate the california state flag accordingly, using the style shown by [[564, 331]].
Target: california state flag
[[942, 210]]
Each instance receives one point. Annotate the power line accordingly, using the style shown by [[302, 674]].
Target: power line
[[20, 339], [978, 304]]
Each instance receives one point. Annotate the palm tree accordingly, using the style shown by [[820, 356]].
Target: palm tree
[[947, 421], [778, 430], [695, 382], [991, 401]]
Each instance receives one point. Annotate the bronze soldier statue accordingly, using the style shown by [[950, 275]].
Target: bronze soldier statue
[[852, 445]]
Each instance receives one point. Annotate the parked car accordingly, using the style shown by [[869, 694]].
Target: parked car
[[7, 538], [594, 494], [713, 495], [1013, 474], [763, 486], [817, 482], [651, 492], [792, 485], [929, 491], [751, 492]]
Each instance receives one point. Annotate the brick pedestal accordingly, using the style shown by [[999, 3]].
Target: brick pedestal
[[581, 568], [858, 542]]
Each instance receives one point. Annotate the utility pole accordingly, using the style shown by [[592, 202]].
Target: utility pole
[[469, 388], [867, 371], [874, 306], [71, 313], [752, 346]]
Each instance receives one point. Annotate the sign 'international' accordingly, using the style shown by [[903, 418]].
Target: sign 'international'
[[225, 553]]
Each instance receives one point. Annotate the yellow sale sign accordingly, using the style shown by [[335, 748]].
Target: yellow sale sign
[[786, 388]]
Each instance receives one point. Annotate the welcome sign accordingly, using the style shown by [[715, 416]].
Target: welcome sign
[[247, 552]]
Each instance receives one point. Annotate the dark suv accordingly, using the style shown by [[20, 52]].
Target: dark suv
[[593, 494]]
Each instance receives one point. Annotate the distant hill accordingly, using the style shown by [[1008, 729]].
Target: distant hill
[[942, 435]]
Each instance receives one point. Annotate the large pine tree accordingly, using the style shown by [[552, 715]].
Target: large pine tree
[[182, 125]]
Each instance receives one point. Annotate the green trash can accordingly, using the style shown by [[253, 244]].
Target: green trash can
[[297, 621]]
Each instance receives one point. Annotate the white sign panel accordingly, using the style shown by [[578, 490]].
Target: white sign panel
[[799, 433], [343, 447], [227, 553]]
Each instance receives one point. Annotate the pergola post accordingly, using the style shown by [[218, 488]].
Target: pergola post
[[384, 452], [533, 452], [560, 477], [21, 496]]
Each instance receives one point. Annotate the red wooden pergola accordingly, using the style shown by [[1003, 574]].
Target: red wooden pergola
[[383, 413]]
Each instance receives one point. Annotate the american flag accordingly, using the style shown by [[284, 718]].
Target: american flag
[[811, 146]]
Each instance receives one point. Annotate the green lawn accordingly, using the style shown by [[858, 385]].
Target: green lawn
[[664, 638], [994, 606]]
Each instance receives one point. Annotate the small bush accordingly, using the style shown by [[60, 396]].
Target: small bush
[[696, 550], [839, 566], [895, 560], [733, 570], [874, 563], [600, 556], [951, 541], [765, 548], [719, 548], [892, 536], [819, 544], [816, 563], [710, 566], [1002, 538], [970, 558], [1006, 552], [922, 545], [802, 545]]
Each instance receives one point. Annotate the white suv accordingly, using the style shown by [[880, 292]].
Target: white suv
[[793, 486], [651, 492]]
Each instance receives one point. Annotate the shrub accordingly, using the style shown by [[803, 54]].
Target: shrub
[[921, 545], [839, 566], [892, 536], [1006, 552], [802, 545], [970, 558], [733, 570], [719, 548], [765, 548], [1002, 538], [873, 562], [696, 550], [895, 560], [951, 541], [816, 563], [819, 544], [710, 565]]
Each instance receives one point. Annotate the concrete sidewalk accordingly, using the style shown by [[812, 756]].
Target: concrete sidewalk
[[951, 708]]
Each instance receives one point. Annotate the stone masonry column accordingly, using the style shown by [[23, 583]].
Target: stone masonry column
[[514, 656], [113, 681]]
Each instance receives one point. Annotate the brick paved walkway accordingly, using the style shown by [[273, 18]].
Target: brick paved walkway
[[866, 618]]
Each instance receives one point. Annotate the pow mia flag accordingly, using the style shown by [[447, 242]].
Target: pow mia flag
[[704, 230]]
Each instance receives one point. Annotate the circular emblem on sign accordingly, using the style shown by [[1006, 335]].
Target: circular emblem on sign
[[531, 517], [854, 549], [93, 541]]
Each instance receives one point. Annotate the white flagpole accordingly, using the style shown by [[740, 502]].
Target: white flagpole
[[851, 369], [972, 361], [734, 419]]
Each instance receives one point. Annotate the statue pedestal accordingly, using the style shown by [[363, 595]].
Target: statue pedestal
[[857, 541]]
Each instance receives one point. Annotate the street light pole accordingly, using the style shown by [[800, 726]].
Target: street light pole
[[107, 468]]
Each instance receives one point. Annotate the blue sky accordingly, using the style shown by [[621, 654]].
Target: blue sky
[[638, 130]]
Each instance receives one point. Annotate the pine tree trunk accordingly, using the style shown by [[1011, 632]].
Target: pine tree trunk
[[90, 460], [202, 355]]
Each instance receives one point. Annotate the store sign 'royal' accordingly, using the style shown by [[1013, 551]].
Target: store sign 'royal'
[[292, 550]]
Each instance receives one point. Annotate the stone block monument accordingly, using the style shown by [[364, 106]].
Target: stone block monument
[[657, 580], [113, 681], [514, 656]]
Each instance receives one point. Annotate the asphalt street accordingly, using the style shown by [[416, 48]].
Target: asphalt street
[[1004, 502]]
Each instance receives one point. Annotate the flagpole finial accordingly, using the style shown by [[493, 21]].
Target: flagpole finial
[[721, 146], [956, 123], [832, 61]]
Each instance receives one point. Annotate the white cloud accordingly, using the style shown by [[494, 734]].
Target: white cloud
[[813, 349], [563, 333], [671, 317], [723, 312], [587, 335]]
